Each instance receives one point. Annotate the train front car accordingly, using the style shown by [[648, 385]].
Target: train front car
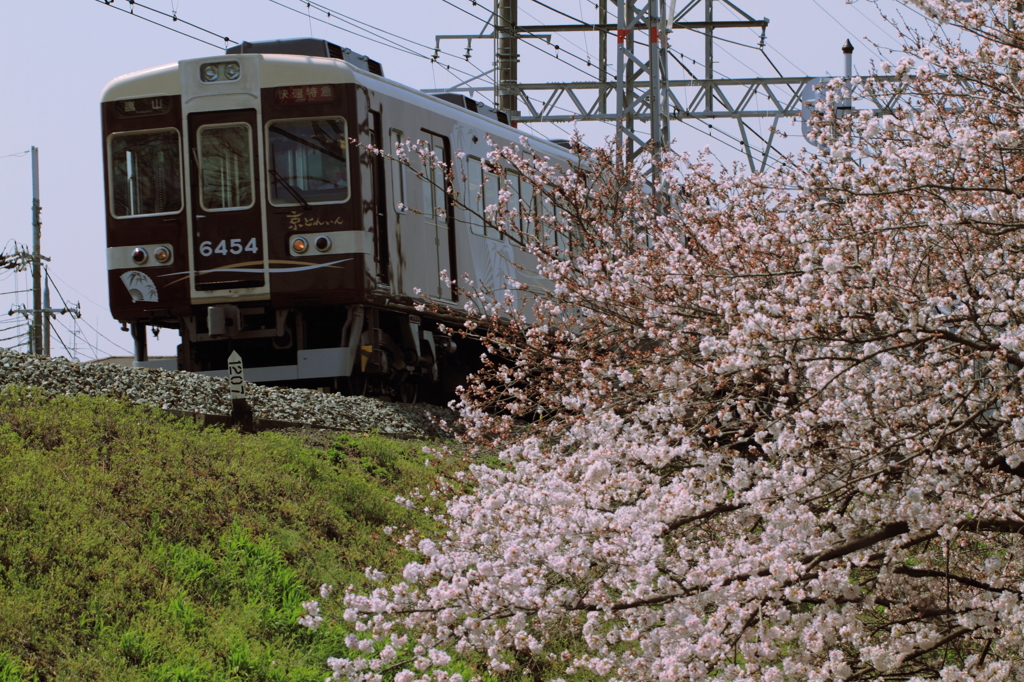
[[237, 214], [246, 211]]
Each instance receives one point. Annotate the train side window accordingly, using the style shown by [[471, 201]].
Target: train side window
[[551, 223], [225, 162], [520, 197], [398, 175], [145, 173], [435, 202], [308, 159], [483, 192], [526, 207]]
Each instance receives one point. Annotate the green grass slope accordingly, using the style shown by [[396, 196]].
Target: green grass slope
[[134, 546]]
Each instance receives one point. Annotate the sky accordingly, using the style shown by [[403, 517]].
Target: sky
[[57, 57]]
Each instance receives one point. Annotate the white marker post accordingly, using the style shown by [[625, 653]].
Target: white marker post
[[241, 413], [236, 377]]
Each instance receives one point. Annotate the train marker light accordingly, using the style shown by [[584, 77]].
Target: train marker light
[[300, 245], [213, 72], [162, 254], [139, 256], [323, 243], [208, 73]]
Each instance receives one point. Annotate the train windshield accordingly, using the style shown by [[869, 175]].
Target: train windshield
[[308, 161], [225, 152], [145, 173]]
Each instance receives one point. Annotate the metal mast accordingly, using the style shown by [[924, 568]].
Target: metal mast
[[506, 55]]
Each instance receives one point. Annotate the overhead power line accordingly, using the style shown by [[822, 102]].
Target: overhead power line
[[132, 4]]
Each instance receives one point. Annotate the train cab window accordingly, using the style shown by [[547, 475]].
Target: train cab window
[[145, 173], [308, 161], [225, 161]]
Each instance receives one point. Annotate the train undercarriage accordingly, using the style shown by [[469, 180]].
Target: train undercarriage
[[352, 349]]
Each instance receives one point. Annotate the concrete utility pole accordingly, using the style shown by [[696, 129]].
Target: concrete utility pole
[[39, 315], [36, 334]]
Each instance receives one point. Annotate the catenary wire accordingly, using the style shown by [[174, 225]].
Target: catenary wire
[[157, 23], [843, 26], [172, 17], [364, 36], [531, 43], [368, 27], [488, 79]]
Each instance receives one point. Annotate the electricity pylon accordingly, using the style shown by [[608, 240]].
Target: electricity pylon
[[638, 94]]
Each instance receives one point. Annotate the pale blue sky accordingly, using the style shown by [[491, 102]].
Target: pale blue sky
[[57, 56]]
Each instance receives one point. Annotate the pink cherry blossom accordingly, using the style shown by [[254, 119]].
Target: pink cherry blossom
[[775, 422]]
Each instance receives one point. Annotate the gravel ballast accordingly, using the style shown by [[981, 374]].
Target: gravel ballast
[[196, 393]]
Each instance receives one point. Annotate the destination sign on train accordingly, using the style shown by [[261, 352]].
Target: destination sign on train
[[304, 94], [149, 106]]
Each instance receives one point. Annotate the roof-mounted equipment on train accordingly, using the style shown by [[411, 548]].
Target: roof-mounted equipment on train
[[309, 47]]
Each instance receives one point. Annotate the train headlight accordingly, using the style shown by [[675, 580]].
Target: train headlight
[[232, 71], [209, 73], [139, 256], [162, 254], [300, 245], [323, 243]]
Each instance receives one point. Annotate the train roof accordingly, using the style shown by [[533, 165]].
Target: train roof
[[278, 66]]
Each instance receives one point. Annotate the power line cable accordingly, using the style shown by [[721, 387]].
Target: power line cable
[[102, 336], [387, 43], [173, 17], [364, 36], [739, 149], [843, 26], [69, 286], [66, 349], [65, 303], [368, 27], [157, 23], [531, 43]]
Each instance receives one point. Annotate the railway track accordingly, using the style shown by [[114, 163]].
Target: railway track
[[207, 399]]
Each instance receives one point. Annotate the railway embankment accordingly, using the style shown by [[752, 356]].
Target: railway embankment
[[136, 546], [186, 393]]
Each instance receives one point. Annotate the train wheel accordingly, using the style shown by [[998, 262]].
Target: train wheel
[[407, 392]]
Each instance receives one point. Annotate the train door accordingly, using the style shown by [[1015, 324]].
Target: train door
[[382, 248], [228, 252], [439, 220]]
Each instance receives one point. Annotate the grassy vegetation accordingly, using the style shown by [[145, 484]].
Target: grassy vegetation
[[137, 547]]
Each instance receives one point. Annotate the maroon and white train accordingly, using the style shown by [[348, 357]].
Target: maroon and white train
[[245, 212]]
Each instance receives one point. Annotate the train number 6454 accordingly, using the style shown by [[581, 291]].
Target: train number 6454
[[224, 247]]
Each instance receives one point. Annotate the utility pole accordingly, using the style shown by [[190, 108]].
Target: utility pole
[[36, 333], [506, 54], [46, 313], [39, 315]]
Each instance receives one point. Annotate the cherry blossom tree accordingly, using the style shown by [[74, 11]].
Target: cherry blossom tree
[[776, 420]]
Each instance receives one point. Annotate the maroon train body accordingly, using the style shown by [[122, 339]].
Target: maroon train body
[[245, 212]]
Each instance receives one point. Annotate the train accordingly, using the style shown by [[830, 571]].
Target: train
[[248, 211]]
